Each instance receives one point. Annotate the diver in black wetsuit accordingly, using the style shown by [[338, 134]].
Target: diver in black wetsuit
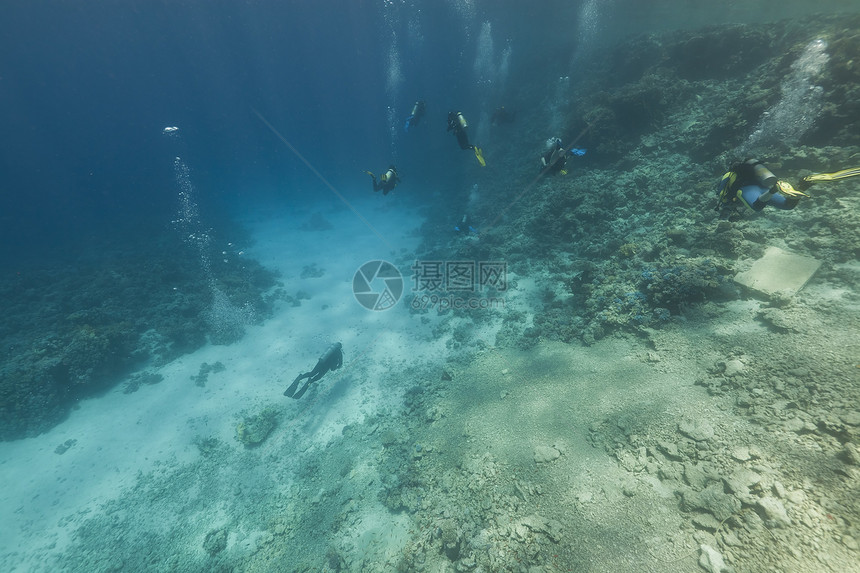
[[554, 160], [457, 124], [387, 182], [332, 359]]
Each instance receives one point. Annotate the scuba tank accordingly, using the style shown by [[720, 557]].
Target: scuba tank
[[762, 175], [415, 109], [390, 174], [462, 120]]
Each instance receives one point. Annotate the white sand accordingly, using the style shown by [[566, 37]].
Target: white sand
[[46, 495]]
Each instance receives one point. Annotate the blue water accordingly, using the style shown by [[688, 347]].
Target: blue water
[[87, 88]]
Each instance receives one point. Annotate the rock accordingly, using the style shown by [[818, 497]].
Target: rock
[[629, 488], [851, 418], [216, 541], [710, 560], [730, 539], [713, 500], [64, 447], [795, 496], [774, 511], [778, 489], [695, 476], [669, 472], [794, 425], [670, 449], [552, 528], [777, 320], [706, 521], [699, 430], [851, 454], [741, 480], [733, 367], [741, 453], [799, 372], [545, 454], [252, 430]]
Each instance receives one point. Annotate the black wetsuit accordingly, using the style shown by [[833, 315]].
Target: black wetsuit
[[554, 160], [332, 359], [388, 184], [455, 124]]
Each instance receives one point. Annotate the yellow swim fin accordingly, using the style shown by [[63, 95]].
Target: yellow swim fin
[[786, 189], [480, 156], [833, 176], [370, 173]]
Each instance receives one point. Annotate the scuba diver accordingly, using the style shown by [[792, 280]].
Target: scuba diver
[[415, 117], [752, 184], [465, 225], [332, 359], [553, 161], [502, 115], [457, 123], [387, 182]]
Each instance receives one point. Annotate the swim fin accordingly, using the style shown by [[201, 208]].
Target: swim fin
[[480, 155], [786, 189], [301, 392], [292, 389], [833, 176], [371, 174]]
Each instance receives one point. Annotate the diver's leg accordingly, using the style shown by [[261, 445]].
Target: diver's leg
[[463, 140], [782, 202]]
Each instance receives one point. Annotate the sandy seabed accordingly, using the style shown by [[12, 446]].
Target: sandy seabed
[[719, 442]]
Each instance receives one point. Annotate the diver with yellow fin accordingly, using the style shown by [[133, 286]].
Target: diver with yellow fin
[[387, 182], [457, 124], [753, 185]]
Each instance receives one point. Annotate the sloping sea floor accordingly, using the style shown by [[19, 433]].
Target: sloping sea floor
[[728, 433]]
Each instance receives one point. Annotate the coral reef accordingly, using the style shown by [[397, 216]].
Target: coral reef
[[252, 430], [70, 331], [630, 232]]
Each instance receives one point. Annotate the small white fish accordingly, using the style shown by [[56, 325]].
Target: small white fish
[[170, 129]]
